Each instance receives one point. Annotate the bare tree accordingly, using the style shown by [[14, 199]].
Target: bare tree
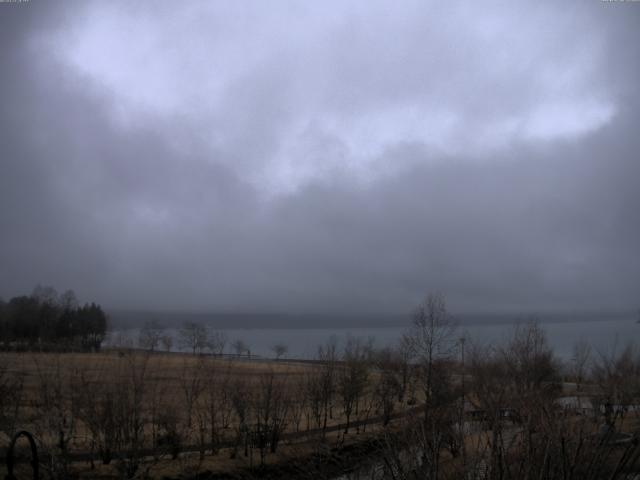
[[523, 432], [328, 357], [217, 341], [218, 405], [431, 340], [241, 399], [131, 402], [530, 359], [279, 350], [488, 372], [618, 375], [313, 397], [11, 396], [68, 300], [170, 431], [112, 401], [580, 361], [388, 387], [158, 393], [240, 347], [192, 385], [150, 335], [269, 408], [45, 294], [298, 401], [352, 377], [167, 342], [55, 413], [193, 336], [403, 355]]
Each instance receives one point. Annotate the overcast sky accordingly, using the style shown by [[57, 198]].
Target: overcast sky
[[322, 156]]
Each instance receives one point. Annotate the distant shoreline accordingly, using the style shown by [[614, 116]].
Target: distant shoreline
[[123, 320]]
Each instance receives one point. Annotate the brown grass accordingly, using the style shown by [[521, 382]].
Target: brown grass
[[165, 377]]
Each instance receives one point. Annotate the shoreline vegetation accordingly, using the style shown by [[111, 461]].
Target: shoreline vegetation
[[435, 405]]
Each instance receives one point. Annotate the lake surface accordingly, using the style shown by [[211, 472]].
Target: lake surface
[[605, 336]]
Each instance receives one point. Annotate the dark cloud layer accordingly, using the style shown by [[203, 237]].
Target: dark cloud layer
[[344, 159]]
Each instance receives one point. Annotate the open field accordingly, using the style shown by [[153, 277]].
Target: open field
[[87, 409], [513, 411]]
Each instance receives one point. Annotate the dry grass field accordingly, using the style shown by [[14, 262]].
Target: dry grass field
[[136, 414], [112, 366], [128, 413]]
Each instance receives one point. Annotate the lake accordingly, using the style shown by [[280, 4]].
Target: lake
[[604, 335]]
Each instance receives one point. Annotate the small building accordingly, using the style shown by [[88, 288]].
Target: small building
[[578, 404]]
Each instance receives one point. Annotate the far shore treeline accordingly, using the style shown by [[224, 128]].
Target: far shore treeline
[[46, 320]]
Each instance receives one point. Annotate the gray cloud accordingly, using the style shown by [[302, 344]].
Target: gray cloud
[[332, 158]]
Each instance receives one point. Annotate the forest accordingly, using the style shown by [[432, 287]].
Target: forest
[[46, 321]]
